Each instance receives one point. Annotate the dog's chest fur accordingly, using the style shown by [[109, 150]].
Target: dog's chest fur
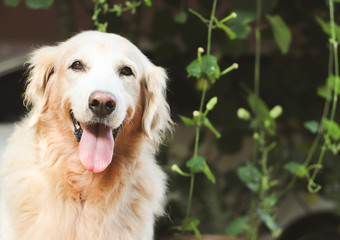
[[67, 202]]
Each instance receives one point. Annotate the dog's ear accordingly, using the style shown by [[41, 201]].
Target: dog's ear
[[40, 68], [156, 116]]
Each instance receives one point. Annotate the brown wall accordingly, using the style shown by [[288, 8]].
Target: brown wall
[[22, 24]]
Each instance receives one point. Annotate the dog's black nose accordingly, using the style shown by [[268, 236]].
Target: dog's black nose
[[102, 103]]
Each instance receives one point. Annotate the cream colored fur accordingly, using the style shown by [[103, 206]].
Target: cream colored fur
[[45, 191]]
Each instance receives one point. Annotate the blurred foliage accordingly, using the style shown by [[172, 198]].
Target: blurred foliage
[[34, 4]]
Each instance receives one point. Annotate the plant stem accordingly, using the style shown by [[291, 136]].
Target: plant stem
[[333, 57], [257, 66], [319, 134], [324, 114], [197, 137], [204, 90], [254, 222], [257, 47], [312, 186], [334, 44], [191, 191], [210, 26]]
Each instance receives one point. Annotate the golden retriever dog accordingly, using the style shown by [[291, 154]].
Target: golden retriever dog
[[81, 164]]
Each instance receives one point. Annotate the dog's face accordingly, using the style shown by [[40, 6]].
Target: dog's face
[[102, 79]]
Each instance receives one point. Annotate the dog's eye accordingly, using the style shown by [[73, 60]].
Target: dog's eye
[[78, 66], [126, 71]]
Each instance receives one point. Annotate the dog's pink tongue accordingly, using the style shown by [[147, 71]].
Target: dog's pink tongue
[[96, 147]]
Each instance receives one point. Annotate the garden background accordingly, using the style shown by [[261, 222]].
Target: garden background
[[256, 79]]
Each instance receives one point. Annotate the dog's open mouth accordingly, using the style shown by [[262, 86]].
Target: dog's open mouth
[[96, 147], [96, 144]]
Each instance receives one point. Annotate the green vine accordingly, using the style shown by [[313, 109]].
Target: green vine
[[258, 174], [102, 7], [206, 70], [328, 128], [258, 47]]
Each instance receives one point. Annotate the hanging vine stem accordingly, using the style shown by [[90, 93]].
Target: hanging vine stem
[[257, 63], [102, 7], [333, 58], [334, 44], [260, 211], [317, 139], [257, 47], [324, 115], [197, 137], [210, 27], [205, 85], [206, 71]]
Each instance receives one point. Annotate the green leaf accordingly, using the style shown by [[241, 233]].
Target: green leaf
[[273, 183], [270, 222], [312, 126], [39, 4], [209, 67], [194, 69], [281, 32], [332, 128], [128, 3], [148, 3], [181, 17], [208, 173], [196, 164], [191, 224], [254, 123], [296, 168], [208, 124], [211, 104], [324, 92], [250, 176], [117, 8], [11, 3], [334, 83], [259, 108], [240, 25], [270, 201], [326, 27], [236, 227], [102, 27], [187, 121]]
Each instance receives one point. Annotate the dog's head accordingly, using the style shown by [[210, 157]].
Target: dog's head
[[104, 80]]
